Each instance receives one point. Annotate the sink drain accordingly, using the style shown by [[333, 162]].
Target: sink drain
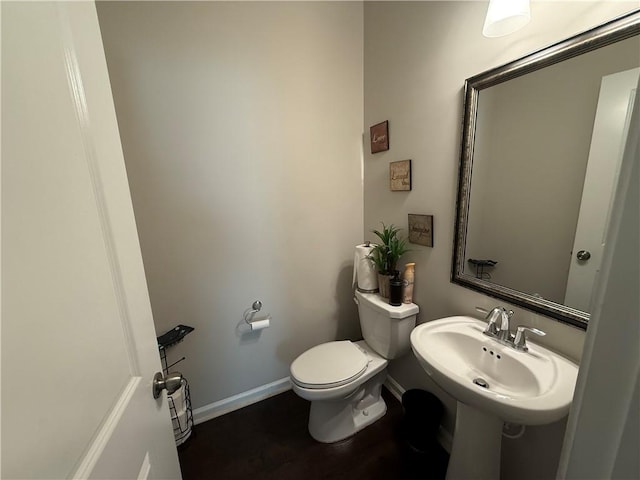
[[481, 382]]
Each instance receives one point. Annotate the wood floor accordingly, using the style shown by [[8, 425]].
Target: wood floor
[[269, 440]]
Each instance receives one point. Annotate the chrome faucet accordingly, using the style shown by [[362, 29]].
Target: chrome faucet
[[505, 333], [501, 331], [492, 329]]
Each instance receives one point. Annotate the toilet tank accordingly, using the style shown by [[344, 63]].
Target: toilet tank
[[385, 328]]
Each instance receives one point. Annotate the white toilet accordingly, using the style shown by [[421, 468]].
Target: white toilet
[[343, 379]]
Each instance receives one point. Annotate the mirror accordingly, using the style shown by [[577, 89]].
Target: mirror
[[542, 141]]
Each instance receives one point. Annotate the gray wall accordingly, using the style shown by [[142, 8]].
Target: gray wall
[[417, 56], [241, 127]]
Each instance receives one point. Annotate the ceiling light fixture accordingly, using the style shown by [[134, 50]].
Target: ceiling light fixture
[[505, 17]]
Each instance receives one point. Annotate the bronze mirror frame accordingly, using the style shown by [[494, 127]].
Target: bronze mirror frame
[[618, 29]]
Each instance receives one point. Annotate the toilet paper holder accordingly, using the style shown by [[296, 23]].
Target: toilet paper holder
[[255, 308], [256, 324]]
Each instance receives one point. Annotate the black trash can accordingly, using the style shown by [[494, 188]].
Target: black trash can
[[422, 415]]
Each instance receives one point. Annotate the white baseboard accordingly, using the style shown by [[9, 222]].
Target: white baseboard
[[394, 387], [240, 400], [444, 437]]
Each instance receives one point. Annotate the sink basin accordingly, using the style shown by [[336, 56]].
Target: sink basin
[[529, 388]]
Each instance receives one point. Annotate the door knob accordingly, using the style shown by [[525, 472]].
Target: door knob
[[171, 382], [583, 255]]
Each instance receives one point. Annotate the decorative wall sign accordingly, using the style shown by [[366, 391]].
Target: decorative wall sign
[[421, 229], [400, 176], [379, 137]]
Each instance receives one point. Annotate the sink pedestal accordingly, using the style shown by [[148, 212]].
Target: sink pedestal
[[475, 454]]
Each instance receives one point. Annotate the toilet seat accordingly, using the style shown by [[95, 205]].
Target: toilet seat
[[329, 365]]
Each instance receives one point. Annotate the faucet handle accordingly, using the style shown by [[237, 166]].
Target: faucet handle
[[520, 342]]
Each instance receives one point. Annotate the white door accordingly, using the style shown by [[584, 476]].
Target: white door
[[602, 437], [610, 128], [78, 342]]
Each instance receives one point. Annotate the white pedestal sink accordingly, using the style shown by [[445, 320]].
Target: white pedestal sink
[[493, 383]]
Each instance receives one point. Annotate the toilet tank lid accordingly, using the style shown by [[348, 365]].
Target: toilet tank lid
[[375, 301]]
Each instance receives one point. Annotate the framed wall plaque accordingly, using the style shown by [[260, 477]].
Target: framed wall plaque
[[421, 229], [400, 176], [379, 137]]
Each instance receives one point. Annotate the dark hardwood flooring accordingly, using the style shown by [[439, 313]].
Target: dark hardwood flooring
[[269, 440]]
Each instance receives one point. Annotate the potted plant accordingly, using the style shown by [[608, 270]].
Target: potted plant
[[385, 255]]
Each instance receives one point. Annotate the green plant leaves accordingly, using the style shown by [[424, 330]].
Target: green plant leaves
[[386, 254]]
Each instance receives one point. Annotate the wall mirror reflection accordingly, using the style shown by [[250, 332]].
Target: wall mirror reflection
[[543, 138]]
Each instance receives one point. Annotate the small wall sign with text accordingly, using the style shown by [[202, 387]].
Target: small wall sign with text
[[379, 137], [421, 229], [400, 176]]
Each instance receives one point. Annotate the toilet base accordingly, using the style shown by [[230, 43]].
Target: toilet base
[[334, 420]]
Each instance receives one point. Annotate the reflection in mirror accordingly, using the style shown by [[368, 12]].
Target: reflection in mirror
[[542, 144], [529, 172]]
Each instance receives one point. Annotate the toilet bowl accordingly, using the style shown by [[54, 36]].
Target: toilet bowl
[[343, 379]]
